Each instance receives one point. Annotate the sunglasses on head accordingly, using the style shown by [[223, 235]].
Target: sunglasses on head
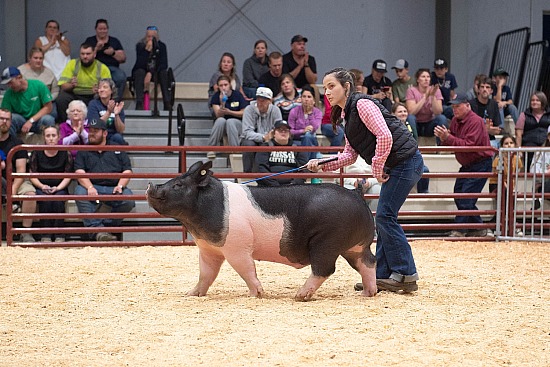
[[152, 28]]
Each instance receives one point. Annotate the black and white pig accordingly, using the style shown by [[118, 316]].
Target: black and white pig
[[296, 225]]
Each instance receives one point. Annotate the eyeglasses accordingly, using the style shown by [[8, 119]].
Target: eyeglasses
[[152, 28]]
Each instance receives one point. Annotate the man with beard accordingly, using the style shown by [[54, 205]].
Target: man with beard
[[487, 108], [79, 79]]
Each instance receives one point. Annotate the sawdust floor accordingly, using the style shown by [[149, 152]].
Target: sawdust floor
[[479, 304]]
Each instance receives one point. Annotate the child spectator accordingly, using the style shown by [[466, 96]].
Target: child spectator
[[503, 95], [447, 84], [403, 82]]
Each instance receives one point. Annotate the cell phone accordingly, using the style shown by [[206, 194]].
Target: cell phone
[[386, 88]]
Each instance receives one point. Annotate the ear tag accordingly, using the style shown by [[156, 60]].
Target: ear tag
[[203, 172]]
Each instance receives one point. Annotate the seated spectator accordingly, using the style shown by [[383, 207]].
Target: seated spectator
[[358, 79], [79, 80], [56, 48], [400, 111], [299, 63], [254, 67], [102, 162], [472, 92], [51, 161], [151, 63], [227, 67], [424, 103], [277, 161], [304, 120], [109, 51], [228, 106], [503, 95], [35, 69], [335, 134], [447, 85], [487, 109], [259, 118], [377, 85], [270, 79], [105, 108], [29, 101], [533, 123], [74, 131], [403, 82], [20, 186], [541, 165], [364, 186], [289, 97]]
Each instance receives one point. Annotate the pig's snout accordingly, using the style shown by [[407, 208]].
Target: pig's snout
[[152, 192]]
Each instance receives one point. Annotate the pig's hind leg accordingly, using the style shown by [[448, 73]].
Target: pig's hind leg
[[364, 262], [244, 266], [209, 266]]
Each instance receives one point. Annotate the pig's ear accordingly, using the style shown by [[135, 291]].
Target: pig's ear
[[203, 174]]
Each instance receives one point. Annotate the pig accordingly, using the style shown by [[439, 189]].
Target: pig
[[297, 225]]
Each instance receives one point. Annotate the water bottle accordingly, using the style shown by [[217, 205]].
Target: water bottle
[[224, 99]]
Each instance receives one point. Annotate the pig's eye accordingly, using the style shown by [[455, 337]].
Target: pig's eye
[[177, 185]]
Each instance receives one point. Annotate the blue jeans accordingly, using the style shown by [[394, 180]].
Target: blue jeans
[[17, 122], [471, 185], [337, 139], [393, 252], [250, 92], [119, 77], [508, 110], [427, 128], [308, 140], [118, 206]]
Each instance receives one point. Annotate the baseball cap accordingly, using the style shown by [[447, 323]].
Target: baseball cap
[[9, 73], [380, 66], [98, 124], [281, 123], [264, 92], [401, 64], [440, 63], [500, 71], [459, 98], [298, 38]]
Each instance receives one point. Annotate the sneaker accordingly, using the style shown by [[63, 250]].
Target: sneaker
[[457, 234], [490, 233], [211, 155], [104, 236], [26, 237], [477, 233], [393, 285], [519, 232], [45, 239], [59, 239]]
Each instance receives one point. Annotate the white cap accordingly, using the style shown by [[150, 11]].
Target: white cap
[[264, 93]]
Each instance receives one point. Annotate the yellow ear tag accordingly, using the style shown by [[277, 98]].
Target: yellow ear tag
[[203, 172]]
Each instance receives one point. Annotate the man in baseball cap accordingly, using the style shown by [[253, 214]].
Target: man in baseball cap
[[299, 63], [377, 85], [447, 84], [403, 81]]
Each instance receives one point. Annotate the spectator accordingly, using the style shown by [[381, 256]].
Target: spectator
[[335, 134], [110, 52], [35, 69], [541, 165], [377, 85], [56, 48], [102, 162], [20, 186], [472, 92], [467, 129], [51, 161], [403, 82], [151, 63], [503, 95], [533, 123], [277, 161], [299, 63], [79, 80], [74, 131], [254, 67], [424, 103], [29, 101], [487, 108], [447, 84], [358, 79], [228, 106], [400, 111], [304, 121], [104, 107], [270, 79], [227, 67], [259, 118], [289, 97]]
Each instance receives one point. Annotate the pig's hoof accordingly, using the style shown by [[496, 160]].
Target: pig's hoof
[[196, 293], [369, 292], [303, 297]]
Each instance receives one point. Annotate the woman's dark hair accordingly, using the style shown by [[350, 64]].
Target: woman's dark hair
[[397, 104], [99, 21], [308, 88], [420, 71], [223, 77], [507, 136], [343, 76], [260, 41], [230, 55], [52, 21]]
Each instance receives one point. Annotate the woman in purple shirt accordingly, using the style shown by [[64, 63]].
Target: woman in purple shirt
[[304, 121]]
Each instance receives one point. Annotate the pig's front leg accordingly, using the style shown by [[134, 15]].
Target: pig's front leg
[[209, 265], [310, 286], [243, 263]]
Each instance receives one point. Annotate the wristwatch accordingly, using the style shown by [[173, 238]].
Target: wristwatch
[[31, 120]]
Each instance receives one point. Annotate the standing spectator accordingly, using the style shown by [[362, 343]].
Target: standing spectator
[[403, 82], [467, 129], [74, 131], [377, 85], [105, 108], [424, 103], [151, 62], [254, 67], [533, 123], [29, 101], [51, 161], [35, 69], [259, 117], [110, 52], [79, 80], [102, 162], [56, 48], [299, 63], [447, 84], [20, 186], [228, 106], [270, 79], [334, 133], [277, 161], [227, 67], [487, 108], [289, 97], [503, 95], [304, 121]]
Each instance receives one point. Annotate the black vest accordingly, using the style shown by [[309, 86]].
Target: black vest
[[364, 141], [535, 133]]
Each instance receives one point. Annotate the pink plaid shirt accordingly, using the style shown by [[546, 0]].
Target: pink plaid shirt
[[374, 121]]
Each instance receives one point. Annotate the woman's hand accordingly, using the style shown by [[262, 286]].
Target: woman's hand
[[384, 178], [313, 165], [111, 106], [118, 107]]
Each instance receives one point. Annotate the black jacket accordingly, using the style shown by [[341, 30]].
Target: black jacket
[[535, 133]]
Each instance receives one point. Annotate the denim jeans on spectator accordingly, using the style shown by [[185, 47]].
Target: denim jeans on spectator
[[337, 139], [427, 128], [309, 140], [118, 206], [17, 122], [393, 252], [508, 110], [119, 77], [250, 92]]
